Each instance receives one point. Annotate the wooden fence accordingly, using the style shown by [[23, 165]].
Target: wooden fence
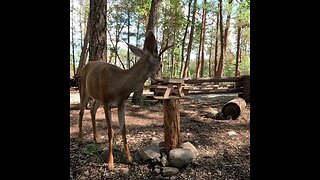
[[223, 85]]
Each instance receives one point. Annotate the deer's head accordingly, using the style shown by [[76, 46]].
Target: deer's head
[[150, 53]]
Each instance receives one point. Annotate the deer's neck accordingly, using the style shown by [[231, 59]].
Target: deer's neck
[[140, 72]]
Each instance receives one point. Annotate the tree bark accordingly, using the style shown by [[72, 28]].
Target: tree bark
[[237, 71], [98, 30], [184, 39], [215, 69], [203, 32], [137, 36], [72, 41], [172, 53], [84, 51], [153, 16], [80, 23], [210, 54], [128, 51], [224, 38], [186, 66], [220, 63]]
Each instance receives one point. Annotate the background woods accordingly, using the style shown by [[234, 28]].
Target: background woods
[[207, 39], [211, 38]]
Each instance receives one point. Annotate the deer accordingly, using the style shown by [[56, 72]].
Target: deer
[[111, 86]]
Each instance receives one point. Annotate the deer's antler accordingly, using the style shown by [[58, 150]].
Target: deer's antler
[[166, 47]]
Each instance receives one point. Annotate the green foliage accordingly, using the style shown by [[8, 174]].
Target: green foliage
[[245, 65], [172, 20], [94, 152], [90, 149]]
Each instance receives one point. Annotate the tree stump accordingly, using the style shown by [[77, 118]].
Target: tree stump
[[233, 108], [171, 117]]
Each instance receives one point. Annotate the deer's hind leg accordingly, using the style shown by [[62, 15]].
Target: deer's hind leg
[[83, 99], [93, 111], [107, 111]]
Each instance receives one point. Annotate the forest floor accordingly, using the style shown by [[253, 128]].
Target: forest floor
[[223, 145]]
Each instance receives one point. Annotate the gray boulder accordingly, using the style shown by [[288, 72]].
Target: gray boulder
[[181, 157]]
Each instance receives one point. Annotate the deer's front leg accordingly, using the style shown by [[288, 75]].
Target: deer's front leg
[[107, 111], [122, 124]]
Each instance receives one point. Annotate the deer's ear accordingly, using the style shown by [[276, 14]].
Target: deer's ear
[[151, 43], [137, 51]]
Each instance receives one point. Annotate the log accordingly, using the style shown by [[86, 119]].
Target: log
[[216, 91], [233, 108], [171, 117], [173, 80], [214, 79]]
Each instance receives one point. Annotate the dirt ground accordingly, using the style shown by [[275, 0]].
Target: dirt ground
[[223, 145]]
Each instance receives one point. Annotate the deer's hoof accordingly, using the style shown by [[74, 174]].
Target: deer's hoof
[[110, 166], [130, 159]]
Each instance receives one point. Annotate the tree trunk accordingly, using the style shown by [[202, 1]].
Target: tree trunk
[[203, 32], [84, 51], [98, 30], [199, 66], [215, 69], [210, 54], [72, 41], [80, 23], [153, 16], [137, 36], [186, 66], [220, 63], [237, 71], [128, 51], [172, 53], [224, 39], [184, 39]]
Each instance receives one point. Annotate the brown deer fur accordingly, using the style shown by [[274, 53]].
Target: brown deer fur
[[111, 86]]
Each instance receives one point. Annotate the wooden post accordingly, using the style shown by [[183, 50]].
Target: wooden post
[[246, 88], [238, 85], [171, 117]]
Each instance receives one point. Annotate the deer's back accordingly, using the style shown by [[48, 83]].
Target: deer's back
[[99, 78]]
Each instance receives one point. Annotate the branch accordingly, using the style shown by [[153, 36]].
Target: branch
[[116, 52], [165, 48]]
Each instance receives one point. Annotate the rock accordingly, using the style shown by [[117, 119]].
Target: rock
[[161, 144], [181, 157], [124, 170], [188, 145], [173, 177], [164, 160], [169, 171], [157, 159], [232, 133], [214, 111], [157, 170], [150, 152], [154, 141], [86, 173]]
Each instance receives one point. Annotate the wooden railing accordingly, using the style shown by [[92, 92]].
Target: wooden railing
[[222, 85]]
